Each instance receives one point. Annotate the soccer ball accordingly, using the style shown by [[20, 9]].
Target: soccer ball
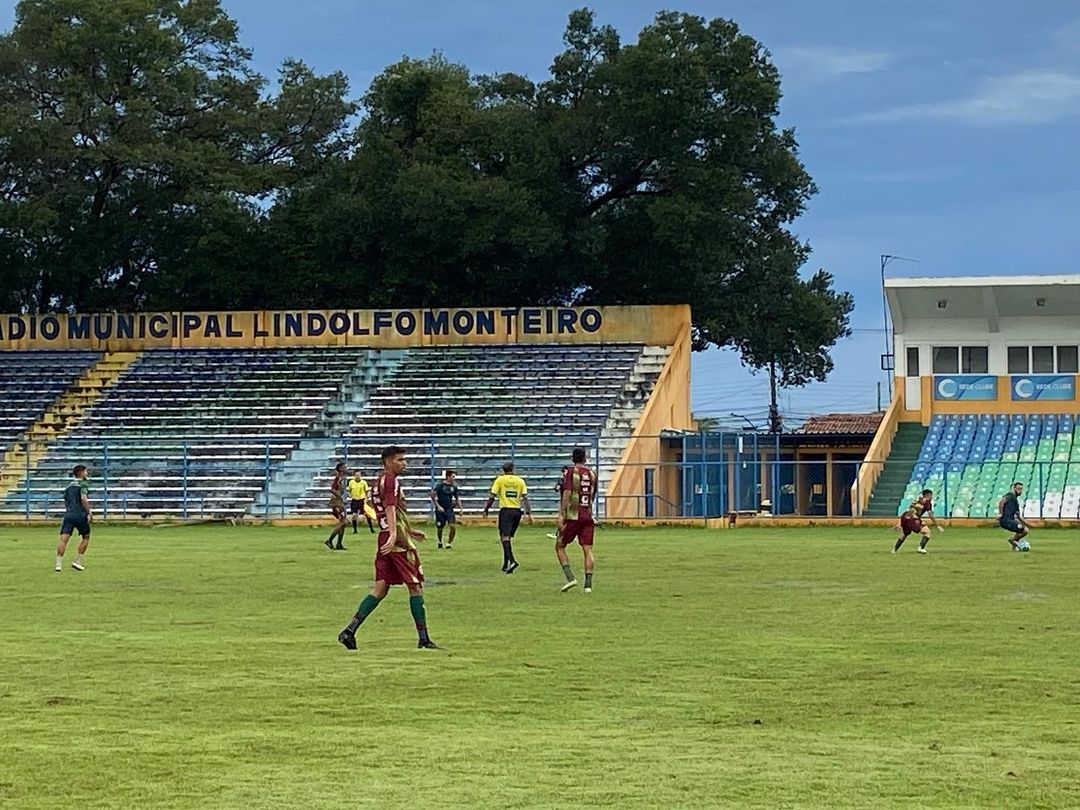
[[1024, 545]]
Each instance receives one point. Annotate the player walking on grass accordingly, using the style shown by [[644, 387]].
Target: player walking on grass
[[512, 494], [337, 507], [76, 517], [396, 559], [576, 519], [1011, 519], [559, 488], [911, 521], [358, 493], [447, 504]]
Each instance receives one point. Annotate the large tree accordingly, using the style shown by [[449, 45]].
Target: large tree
[[134, 140], [787, 328]]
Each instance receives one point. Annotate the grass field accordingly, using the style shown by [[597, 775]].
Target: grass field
[[197, 667]]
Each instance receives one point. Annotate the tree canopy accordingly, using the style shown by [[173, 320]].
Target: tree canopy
[[145, 164]]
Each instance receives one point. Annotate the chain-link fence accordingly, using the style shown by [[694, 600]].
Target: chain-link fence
[[673, 476]]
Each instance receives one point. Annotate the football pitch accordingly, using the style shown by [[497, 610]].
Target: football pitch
[[194, 667]]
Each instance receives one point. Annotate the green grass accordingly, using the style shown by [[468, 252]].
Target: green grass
[[197, 667]]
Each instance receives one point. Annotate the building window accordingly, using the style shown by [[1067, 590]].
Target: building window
[[946, 359], [913, 361], [1067, 360], [1042, 359], [974, 360], [1018, 360]]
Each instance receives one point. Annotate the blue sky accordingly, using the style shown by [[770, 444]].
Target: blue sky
[[941, 131]]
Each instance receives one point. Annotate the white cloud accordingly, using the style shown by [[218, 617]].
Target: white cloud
[[828, 63], [1029, 97]]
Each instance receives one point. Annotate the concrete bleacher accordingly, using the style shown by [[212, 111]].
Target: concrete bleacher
[[971, 460], [474, 408], [195, 433], [30, 382]]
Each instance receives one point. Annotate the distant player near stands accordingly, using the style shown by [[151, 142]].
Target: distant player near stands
[[1010, 518], [76, 517], [358, 494], [337, 507], [512, 494], [396, 559], [576, 519], [911, 521], [447, 504], [559, 488]]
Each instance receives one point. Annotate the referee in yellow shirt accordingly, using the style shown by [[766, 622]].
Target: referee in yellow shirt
[[358, 492], [512, 493]]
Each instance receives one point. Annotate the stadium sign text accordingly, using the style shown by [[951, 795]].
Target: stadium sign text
[[389, 328], [965, 387]]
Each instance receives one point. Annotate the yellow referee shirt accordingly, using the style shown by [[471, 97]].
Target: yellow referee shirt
[[509, 489], [358, 490]]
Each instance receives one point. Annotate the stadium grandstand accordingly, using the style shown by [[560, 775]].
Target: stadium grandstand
[[986, 380], [234, 415]]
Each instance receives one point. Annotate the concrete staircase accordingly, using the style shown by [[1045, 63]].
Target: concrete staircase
[[61, 417], [624, 417], [890, 486], [310, 458]]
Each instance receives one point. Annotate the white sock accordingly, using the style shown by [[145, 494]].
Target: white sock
[[78, 558], [59, 560]]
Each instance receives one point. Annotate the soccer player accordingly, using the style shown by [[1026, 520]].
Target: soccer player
[[513, 494], [445, 498], [337, 507], [358, 493], [911, 521], [559, 488], [76, 517], [1011, 519], [576, 518], [396, 559]]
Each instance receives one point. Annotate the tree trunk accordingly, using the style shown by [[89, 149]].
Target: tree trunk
[[776, 424]]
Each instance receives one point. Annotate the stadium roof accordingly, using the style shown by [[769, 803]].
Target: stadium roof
[[982, 297], [846, 424]]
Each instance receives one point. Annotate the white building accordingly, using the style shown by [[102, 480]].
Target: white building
[[992, 344]]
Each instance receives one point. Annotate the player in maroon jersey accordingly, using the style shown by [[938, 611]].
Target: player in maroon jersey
[[396, 559], [911, 521], [576, 518]]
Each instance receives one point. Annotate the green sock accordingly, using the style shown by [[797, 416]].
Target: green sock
[[365, 609], [568, 572], [588, 579], [419, 614]]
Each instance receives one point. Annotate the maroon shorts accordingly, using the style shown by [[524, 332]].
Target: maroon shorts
[[337, 510], [580, 530], [910, 525], [399, 567]]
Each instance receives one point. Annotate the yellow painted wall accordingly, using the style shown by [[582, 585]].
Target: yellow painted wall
[[668, 407], [385, 329]]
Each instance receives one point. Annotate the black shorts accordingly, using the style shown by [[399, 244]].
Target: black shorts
[[509, 520], [74, 524], [1010, 525], [445, 516], [356, 506]]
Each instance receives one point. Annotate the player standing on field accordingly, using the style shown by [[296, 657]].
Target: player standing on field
[[396, 559], [337, 507], [358, 493], [76, 517], [512, 493], [447, 504], [576, 518], [1011, 519], [911, 521]]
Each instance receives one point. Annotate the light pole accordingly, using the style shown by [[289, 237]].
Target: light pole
[[885, 259], [746, 419]]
